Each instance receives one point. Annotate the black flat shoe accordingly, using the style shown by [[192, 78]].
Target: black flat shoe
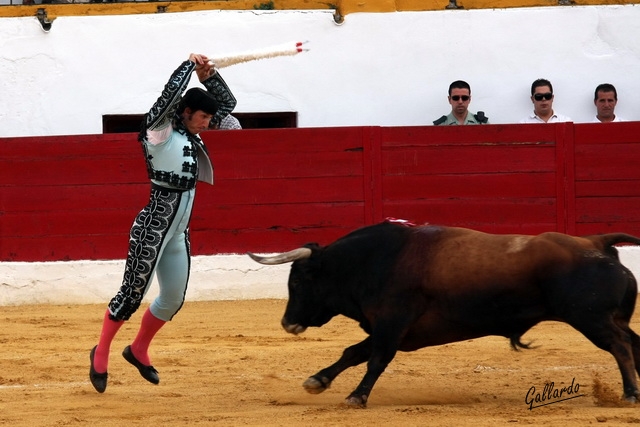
[[149, 373], [98, 380]]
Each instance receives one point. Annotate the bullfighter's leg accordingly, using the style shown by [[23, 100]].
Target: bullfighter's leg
[[351, 356], [607, 335]]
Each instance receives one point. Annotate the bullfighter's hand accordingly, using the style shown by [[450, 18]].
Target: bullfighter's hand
[[204, 68]]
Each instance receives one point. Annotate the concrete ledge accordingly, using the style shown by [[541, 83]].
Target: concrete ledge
[[219, 277]]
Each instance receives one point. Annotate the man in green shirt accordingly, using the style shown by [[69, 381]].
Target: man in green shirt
[[460, 98]]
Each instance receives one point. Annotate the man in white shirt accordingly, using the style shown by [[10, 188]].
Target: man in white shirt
[[542, 98], [605, 100], [230, 122]]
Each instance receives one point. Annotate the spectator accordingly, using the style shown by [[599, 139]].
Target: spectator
[[460, 98], [542, 98], [230, 122], [605, 99]]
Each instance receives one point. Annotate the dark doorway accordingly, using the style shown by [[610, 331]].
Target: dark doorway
[[123, 123], [267, 120]]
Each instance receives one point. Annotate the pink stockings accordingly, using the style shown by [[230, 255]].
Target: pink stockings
[[148, 329], [149, 326], [109, 330]]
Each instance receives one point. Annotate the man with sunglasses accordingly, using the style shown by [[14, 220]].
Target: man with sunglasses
[[542, 98], [460, 98]]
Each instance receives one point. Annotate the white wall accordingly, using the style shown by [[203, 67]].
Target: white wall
[[374, 69], [220, 277], [386, 69]]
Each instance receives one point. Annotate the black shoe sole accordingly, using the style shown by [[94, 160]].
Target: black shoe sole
[[149, 373], [98, 380]]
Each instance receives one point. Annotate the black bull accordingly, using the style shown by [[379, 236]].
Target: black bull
[[413, 287]]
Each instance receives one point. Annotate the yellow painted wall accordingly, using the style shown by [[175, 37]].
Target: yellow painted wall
[[342, 7]]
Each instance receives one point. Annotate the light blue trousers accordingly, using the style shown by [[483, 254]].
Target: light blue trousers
[[158, 246]]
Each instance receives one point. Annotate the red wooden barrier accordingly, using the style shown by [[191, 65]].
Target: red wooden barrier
[[74, 197], [607, 178], [496, 178]]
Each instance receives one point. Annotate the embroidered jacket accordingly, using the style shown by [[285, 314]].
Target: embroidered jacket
[[176, 158]]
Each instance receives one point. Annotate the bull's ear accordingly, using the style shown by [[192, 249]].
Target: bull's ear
[[283, 258]]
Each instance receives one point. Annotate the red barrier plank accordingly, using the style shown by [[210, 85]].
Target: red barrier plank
[[299, 140], [629, 227], [209, 242], [74, 171], [455, 159], [608, 209], [462, 135], [63, 248], [54, 225], [73, 198], [621, 188], [279, 191], [285, 216], [475, 211], [290, 164], [416, 187], [596, 133], [607, 161]]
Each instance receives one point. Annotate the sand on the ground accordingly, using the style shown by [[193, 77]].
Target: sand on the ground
[[230, 363]]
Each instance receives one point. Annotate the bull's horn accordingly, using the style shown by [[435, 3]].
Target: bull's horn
[[290, 256]]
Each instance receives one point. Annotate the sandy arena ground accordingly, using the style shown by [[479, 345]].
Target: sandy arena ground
[[229, 363]]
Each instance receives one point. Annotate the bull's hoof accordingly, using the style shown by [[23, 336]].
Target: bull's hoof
[[630, 399], [316, 385], [356, 401]]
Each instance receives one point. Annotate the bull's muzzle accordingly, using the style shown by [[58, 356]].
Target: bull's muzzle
[[292, 329]]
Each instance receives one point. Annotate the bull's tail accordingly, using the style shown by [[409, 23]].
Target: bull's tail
[[605, 242], [516, 344], [613, 239]]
